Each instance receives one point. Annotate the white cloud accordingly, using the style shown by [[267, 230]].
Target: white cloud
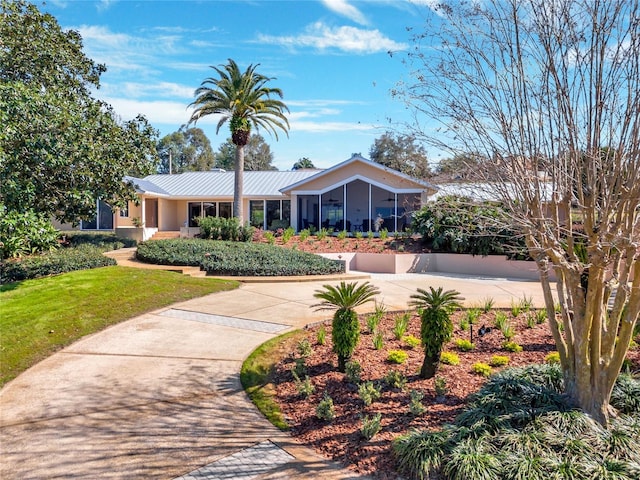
[[103, 5], [164, 112], [342, 7], [348, 39], [137, 90], [320, 127]]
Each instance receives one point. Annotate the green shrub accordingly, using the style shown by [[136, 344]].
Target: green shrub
[[450, 358], [499, 361], [353, 372], [370, 426], [287, 235], [373, 319], [304, 387], [464, 345], [516, 308], [397, 356], [25, 233], [299, 368], [416, 408], [378, 341], [501, 320], [411, 341], [481, 368], [400, 324], [541, 316], [512, 347], [531, 321], [321, 336], [420, 453], [440, 386], [325, 409], [439, 224], [304, 348], [236, 258], [304, 234], [384, 233], [487, 304], [395, 379], [472, 315], [552, 358], [625, 396], [464, 324], [53, 263], [270, 237], [369, 392], [225, 229], [105, 241]]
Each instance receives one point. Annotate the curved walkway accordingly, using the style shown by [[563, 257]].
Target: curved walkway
[[159, 396]]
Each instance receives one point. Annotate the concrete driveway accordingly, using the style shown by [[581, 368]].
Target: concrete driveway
[[159, 396]]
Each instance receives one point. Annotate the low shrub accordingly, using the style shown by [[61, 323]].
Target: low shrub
[[464, 345], [450, 358], [105, 241], [552, 358], [416, 407], [370, 426], [400, 325], [395, 379], [499, 361], [440, 386], [304, 348], [369, 393], [481, 368], [397, 356], [512, 347], [325, 409], [353, 371], [321, 337], [304, 387], [53, 263], [378, 341], [411, 341], [236, 258]]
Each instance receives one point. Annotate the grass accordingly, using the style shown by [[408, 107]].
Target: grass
[[41, 316], [256, 371]]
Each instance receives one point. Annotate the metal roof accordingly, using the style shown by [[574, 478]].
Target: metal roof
[[145, 186], [489, 191], [220, 183]]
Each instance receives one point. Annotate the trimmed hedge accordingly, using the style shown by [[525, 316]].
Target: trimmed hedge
[[60, 261], [103, 241], [237, 259]]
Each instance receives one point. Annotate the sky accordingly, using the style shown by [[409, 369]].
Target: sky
[[331, 59]]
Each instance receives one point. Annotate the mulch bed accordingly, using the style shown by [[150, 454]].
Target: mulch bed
[[341, 439]]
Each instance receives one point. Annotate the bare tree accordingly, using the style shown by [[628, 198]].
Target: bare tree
[[551, 86]]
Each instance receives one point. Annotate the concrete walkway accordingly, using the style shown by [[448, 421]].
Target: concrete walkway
[[159, 396]]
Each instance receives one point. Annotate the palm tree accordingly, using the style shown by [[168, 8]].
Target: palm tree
[[344, 299], [436, 327], [244, 100]]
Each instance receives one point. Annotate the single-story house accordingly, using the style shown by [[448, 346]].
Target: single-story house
[[355, 195]]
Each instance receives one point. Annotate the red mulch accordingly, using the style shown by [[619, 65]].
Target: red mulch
[[341, 439]]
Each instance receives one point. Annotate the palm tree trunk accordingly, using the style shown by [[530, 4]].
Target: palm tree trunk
[[238, 184]]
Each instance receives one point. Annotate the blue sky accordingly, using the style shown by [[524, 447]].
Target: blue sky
[[330, 58]]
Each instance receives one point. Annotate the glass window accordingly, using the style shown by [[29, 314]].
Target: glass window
[[209, 209], [124, 212], [273, 215], [286, 211], [332, 209], [256, 213], [195, 211], [224, 209], [308, 212]]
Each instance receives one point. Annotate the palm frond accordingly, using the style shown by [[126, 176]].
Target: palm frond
[[346, 296]]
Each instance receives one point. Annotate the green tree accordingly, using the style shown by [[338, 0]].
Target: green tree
[[402, 153], [257, 155], [60, 149], [190, 150], [536, 86], [459, 167], [436, 326], [244, 100], [303, 162], [345, 326]]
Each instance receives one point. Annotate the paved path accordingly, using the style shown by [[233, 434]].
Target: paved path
[[159, 397]]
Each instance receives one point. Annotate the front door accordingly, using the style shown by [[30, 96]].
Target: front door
[[151, 213]]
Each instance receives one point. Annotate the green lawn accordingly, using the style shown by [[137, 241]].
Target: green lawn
[[38, 317]]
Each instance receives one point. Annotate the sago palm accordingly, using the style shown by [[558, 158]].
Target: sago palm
[[345, 326], [244, 100], [436, 327]]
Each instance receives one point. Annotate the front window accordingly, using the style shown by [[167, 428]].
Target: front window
[[256, 213], [103, 220], [224, 209], [195, 211], [209, 209], [124, 212]]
